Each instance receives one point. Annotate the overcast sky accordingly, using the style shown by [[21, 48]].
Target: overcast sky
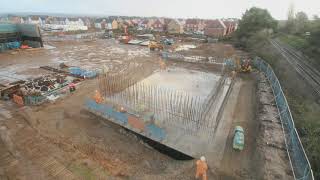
[[166, 8]]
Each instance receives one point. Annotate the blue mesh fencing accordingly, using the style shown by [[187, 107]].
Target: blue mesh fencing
[[298, 159], [34, 100]]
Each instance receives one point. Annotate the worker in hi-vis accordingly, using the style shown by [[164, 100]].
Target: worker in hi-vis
[[97, 97], [202, 168]]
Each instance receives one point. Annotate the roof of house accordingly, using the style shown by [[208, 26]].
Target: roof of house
[[166, 20], [174, 21], [144, 21], [230, 23], [217, 23], [192, 21], [34, 18], [59, 18], [73, 19], [157, 22]]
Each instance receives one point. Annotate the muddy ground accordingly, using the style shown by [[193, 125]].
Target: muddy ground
[[60, 140]]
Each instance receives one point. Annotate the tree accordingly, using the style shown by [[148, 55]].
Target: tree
[[301, 23], [252, 22], [290, 21]]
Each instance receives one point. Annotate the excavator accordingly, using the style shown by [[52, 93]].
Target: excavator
[[154, 45], [243, 65]]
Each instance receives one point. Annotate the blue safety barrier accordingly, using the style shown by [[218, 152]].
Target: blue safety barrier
[[298, 159], [155, 132], [107, 111]]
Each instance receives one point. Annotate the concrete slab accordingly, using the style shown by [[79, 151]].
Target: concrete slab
[[193, 137]]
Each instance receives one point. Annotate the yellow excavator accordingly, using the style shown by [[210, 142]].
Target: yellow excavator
[[243, 66], [154, 45]]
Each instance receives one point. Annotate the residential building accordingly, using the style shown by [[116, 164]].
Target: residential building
[[100, 23], [158, 25], [192, 25], [15, 19], [115, 24], [36, 20], [231, 26], [144, 24], [74, 21], [88, 22], [175, 27], [215, 28]]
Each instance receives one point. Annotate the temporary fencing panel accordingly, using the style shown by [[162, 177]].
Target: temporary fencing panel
[[34, 100], [297, 156]]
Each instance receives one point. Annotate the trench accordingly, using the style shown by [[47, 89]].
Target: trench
[[166, 150]]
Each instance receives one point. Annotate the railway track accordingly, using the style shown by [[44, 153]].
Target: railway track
[[300, 64]]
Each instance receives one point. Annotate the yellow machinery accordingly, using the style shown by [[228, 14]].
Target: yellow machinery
[[243, 66], [153, 45]]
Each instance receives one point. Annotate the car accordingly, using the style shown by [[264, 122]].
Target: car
[[238, 138]]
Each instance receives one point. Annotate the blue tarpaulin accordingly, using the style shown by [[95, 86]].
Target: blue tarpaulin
[[81, 72]]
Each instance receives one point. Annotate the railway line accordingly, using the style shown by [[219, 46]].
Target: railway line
[[301, 64]]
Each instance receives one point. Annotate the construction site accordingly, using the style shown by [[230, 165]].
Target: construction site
[[136, 112]]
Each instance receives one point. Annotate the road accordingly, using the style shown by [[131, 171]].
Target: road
[[300, 63]]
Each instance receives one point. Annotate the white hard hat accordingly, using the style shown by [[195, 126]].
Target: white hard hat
[[202, 158]]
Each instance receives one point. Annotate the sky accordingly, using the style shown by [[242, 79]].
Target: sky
[[207, 9]]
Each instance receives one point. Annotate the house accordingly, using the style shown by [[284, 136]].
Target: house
[[109, 24], [88, 22], [115, 24], [128, 22], [215, 28], [135, 22], [4, 19], [231, 26], [55, 20], [165, 22], [143, 24], [100, 23], [175, 27], [35, 20], [58, 21], [192, 25], [158, 25], [150, 23], [15, 19], [74, 21]]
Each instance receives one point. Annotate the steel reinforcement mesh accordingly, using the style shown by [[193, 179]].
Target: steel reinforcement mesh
[[298, 159]]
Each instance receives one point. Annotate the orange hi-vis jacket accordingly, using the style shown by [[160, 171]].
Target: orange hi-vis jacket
[[202, 168]]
